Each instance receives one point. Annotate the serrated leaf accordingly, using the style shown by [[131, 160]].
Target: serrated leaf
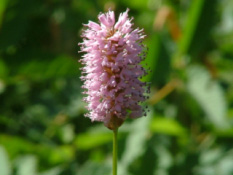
[[208, 94], [5, 167]]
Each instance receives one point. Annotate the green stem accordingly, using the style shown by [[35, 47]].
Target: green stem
[[114, 157]]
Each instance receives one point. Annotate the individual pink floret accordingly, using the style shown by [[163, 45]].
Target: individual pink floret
[[112, 69]]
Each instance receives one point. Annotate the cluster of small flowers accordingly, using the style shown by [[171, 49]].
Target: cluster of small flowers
[[111, 71]]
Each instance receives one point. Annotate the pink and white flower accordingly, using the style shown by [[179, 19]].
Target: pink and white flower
[[112, 70]]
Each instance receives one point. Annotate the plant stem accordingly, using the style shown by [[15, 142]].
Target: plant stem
[[114, 156]]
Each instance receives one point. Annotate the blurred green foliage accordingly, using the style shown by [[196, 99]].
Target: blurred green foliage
[[189, 129]]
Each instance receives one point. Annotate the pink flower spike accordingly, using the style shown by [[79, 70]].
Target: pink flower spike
[[112, 70], [94, 26], [122, 19]]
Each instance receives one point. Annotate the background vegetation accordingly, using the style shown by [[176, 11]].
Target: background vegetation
[[189, 128]]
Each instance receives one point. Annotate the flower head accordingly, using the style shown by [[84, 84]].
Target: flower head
[[111, 71]]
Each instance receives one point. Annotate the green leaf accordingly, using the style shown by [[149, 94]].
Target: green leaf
[[224, 31], [53, 171], [167, 126], [93, 168], [158, 60], [45, 69], [3, 4], [198, 26], [93, 138], [224, 133], [51, 154], [153, 53], [5, 167], [211, 156], [135, 143], [60, 154], [9, 143], [215, 161], [208, 94], [3, 69], [137, 4], [26, 165], [67, 133], [191, 25], [164, 157]]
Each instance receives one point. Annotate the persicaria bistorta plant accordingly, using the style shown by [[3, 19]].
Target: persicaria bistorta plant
[[112, 69]]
